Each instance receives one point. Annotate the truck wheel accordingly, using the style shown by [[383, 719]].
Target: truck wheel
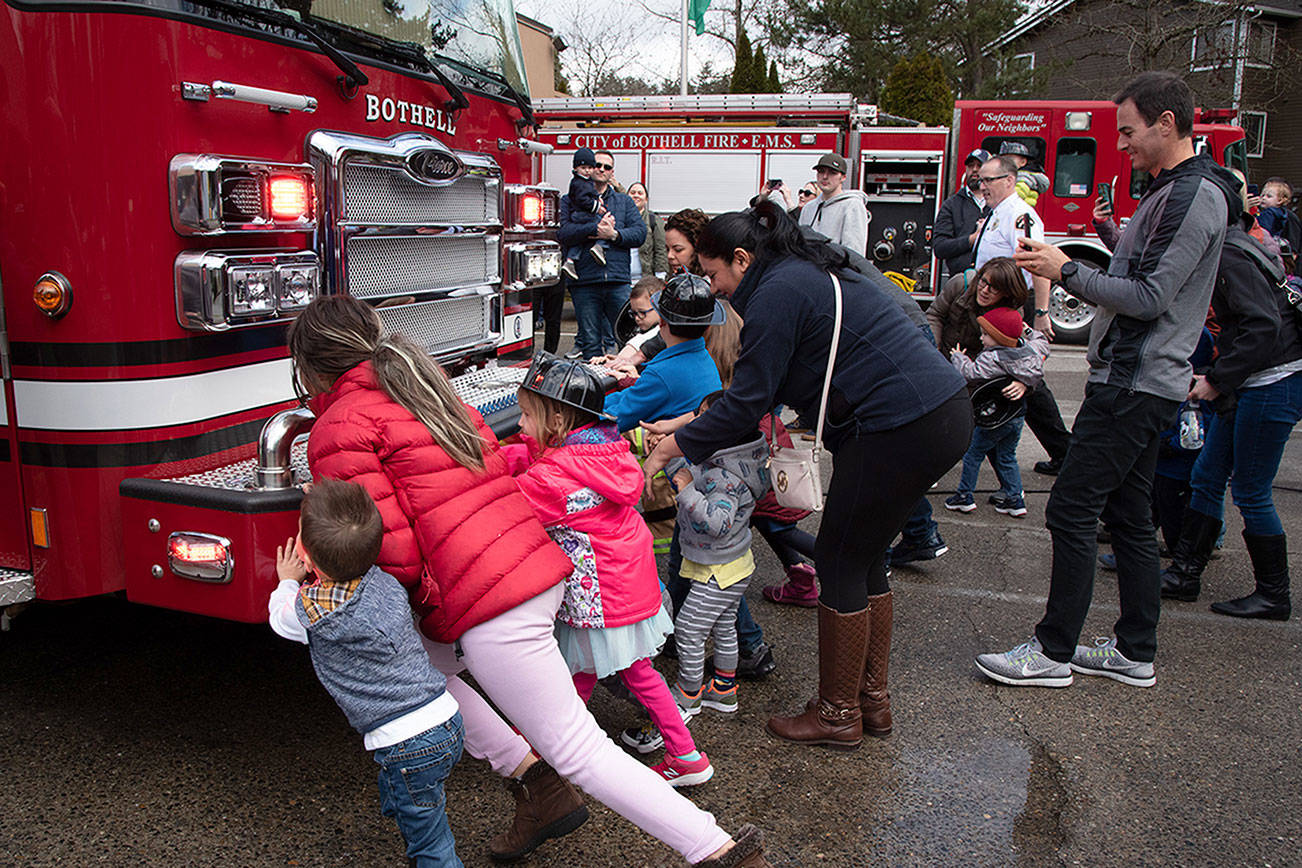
[[1071, 316]]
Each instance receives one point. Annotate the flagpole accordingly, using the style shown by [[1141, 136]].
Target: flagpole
[[682, 72]]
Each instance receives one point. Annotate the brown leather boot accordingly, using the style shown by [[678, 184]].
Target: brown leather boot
[[748, 852], [835, 719], [874, 698], [546, 806]]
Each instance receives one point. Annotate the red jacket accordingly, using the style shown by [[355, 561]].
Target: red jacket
[[585, 493], [464, 543]]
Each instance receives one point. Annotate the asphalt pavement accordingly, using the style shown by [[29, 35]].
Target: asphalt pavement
[[142, 737]]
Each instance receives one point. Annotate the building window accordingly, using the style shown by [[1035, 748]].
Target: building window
[[1022, 62], [1254, 131], [1260, 47], [1213, 47], [1220, 45]]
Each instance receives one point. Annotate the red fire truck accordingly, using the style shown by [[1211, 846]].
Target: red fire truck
[[714, 153], [181, 179], [1074, 144]]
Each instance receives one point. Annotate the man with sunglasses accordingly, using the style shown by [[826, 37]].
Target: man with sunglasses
[[600, 290]]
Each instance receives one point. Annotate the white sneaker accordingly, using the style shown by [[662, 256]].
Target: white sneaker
[[1025, 666], [1103, 658]]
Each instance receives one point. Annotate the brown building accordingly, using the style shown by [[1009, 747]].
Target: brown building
[[1241, 56], [540, 46]]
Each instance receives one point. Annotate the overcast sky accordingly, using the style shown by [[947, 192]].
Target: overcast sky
[[652, 43]]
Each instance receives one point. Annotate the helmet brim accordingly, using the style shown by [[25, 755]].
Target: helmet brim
[[717, 315]]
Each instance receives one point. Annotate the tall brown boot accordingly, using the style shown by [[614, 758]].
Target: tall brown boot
[[546, 806], [835, 719], [874, 698]]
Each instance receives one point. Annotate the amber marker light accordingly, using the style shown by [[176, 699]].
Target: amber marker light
[[40, 528], [52, 294]]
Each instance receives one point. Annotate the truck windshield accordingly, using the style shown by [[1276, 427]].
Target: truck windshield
[[480, 34], [476, 37]]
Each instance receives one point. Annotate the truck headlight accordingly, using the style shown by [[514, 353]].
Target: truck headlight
[[221, 289]]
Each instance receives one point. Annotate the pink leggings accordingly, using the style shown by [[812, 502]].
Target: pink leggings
[[515, 659], [650, 689]]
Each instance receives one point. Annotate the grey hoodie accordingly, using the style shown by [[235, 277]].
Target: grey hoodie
[[714, 511], [1024, 362], [1154, 296], [843, 218]]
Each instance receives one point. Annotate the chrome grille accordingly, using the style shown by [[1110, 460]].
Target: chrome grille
[[440, 326], [388, 195], [385, 265]]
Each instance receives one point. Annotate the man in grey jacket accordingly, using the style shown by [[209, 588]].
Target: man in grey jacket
[[1152, 302], [839, 214]]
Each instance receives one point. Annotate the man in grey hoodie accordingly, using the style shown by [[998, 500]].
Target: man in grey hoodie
[[1152, 302], [839, 214]]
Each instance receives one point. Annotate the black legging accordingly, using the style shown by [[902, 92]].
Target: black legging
[[876, 482], [548, 306], [791, 544]]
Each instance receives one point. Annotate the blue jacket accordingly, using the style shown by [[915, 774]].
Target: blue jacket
[[673, 382], [886, 375], [630, 231]]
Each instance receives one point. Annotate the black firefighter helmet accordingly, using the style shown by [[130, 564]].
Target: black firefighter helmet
[[990, 407], [569, 382], [687, 300]]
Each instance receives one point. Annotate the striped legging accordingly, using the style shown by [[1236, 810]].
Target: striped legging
[[707, 609]]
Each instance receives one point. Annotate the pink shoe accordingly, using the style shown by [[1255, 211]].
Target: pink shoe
[[800, 589], [684, 774]]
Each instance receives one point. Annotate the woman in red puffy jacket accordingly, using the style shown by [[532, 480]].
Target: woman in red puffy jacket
[[480, 572]]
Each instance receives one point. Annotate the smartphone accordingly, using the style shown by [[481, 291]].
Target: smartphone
[[774, 183], [1105, 193], [1253, 190], [1024, 224]]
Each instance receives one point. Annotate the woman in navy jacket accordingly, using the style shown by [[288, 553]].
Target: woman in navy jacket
[[898, 417]]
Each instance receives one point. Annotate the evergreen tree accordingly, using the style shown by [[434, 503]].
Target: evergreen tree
[[775, 84], [917, 87], [742, 66]]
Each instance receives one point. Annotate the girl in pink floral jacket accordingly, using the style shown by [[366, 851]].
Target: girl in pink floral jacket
[[583, 483]]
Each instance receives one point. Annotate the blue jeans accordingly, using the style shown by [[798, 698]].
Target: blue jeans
[[411, 779], [1001, 445], [596, 307], [749, 633], [1244, 448]]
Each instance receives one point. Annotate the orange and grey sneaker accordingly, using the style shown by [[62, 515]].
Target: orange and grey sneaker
[[719, 697], [689, 704], [680, 773]]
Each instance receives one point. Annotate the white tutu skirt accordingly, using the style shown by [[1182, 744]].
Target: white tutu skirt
[[607, 650]]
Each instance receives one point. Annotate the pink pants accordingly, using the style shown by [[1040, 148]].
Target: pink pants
[[515, 659], [644, 682]]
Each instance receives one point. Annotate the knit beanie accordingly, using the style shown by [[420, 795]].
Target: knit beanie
[[1004, 324], [584, 157]]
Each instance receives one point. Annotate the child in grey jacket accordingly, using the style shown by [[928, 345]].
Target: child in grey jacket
[[357, 624], [1015, 350], [715, 502]]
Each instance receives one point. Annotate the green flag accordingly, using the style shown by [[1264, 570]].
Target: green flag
[[696, 14]]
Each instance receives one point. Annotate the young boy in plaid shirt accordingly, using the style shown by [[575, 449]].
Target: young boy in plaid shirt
[[357, 624]]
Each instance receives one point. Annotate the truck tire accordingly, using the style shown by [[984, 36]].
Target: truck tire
[[1071, 316]]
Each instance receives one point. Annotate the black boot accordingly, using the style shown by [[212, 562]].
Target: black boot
[[1183, 579], [1270, 568]]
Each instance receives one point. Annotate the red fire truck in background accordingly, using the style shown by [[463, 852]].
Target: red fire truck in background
[[715, 152], [1075, 144], [180, 180]]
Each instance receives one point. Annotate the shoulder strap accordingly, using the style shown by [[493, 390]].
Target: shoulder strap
[[1252, 248], [831, 362]]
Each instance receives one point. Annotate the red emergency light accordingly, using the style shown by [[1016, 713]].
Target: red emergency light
[[290, 197], [532, 210], [200, 556]]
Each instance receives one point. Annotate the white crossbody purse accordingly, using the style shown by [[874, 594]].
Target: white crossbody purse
[[796, 470]]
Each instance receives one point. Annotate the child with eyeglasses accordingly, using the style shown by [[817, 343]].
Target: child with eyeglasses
[[585, 207]]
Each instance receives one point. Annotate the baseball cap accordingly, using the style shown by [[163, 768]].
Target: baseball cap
[[980, 154], [835, 162]]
